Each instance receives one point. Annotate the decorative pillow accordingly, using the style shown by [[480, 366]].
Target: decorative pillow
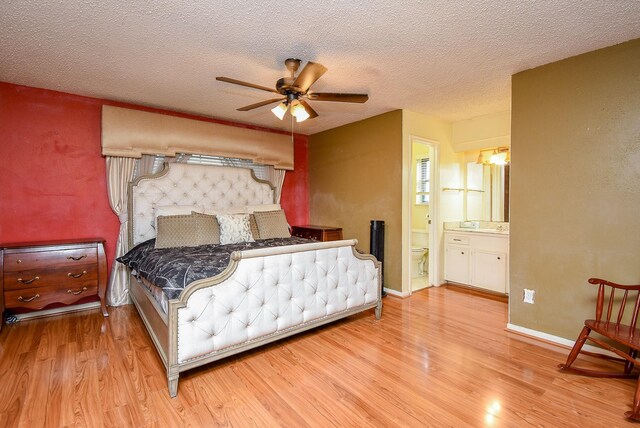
[[250, 209], [234, 228], [228, 210], [272, 224], [254, 227], [208, 229], [177, 231], [171, 210]]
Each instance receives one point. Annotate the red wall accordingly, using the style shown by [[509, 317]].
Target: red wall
[[52, 173]]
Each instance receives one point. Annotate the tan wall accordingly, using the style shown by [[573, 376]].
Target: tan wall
[[355, 174], [445, 205], [575, 185]]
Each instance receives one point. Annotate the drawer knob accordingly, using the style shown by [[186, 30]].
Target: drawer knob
[[18, 261], [77, 292], [27, 299], [462, 252], [498, 258], [28, 281], [77, 275], [76, 258]]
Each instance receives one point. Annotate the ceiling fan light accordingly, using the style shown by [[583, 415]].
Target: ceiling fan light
[[279, 110], [299, 112]]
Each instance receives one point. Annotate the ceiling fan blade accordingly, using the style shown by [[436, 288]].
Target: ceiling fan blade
[[307, 107], [344, 98], [309, 74], [260, 104], [247, 84]]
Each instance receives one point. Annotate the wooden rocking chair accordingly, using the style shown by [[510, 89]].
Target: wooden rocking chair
[[625, 335]]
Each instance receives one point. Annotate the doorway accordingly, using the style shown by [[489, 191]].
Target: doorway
[[423, 212]]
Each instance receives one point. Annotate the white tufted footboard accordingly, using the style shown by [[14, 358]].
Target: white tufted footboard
[[265, 295]]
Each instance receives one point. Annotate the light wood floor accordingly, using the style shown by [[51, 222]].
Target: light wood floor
[[440, 358]]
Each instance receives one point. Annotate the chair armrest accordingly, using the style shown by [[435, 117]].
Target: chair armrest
[[598, 281]]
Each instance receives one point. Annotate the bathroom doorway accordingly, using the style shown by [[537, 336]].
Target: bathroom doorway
[[423, 210]]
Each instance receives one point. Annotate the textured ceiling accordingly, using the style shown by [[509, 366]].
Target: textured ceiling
[[448, 59]]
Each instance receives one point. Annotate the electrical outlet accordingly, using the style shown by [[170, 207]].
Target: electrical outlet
[[528, 296]]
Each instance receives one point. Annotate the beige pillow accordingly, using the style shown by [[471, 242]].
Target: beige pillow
[[208, 229], [177, 231], [254, 227], [172, 210], [250, 209], [272, 224]]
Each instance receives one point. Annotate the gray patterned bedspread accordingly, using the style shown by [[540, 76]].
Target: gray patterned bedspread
[[173, 269]]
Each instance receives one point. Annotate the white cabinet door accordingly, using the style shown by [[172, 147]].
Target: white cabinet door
[[489, 270], [456, 264]]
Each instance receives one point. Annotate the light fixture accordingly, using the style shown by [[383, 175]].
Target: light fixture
[[481, 158], [280, 110], [298, 111], [499, 156]]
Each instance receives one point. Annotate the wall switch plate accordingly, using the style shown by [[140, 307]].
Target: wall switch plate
[[528, 296]]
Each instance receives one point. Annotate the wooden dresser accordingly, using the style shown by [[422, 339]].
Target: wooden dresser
[[317, 233], [37, 274]]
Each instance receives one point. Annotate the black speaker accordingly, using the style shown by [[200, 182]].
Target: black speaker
[[376, 244]]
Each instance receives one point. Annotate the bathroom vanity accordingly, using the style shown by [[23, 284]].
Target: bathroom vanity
[[478, 258]]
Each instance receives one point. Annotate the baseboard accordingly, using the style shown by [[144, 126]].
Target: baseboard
[[397, 293], [556, 340], [56, 311]]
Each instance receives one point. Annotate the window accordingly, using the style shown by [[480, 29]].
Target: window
[[423, 172]]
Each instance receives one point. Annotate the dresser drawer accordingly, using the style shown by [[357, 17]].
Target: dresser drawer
[[317, 233], [64, 276], [62, 259], [39, 297]]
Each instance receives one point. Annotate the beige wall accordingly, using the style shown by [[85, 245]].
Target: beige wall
[[481, 132], [575, 185], [355, 174], [445, 206]]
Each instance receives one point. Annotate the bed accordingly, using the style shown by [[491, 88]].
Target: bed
[[266, 291]]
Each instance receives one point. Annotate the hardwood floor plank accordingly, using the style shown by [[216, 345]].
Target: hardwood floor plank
[[439, 358]]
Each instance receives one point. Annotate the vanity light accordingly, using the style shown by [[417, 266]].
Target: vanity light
[[499, 156]]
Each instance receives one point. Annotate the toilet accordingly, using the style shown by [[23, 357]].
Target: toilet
[[419, 253]]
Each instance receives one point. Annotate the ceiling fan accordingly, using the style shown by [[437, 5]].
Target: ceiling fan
[[293, 89]]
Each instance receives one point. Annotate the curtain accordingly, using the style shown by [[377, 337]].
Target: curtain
[[119, 173], [277, 179]]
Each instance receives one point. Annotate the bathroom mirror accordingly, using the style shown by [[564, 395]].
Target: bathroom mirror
[[487, 192]]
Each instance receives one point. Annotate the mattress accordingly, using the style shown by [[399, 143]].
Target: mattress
[[172, 269]]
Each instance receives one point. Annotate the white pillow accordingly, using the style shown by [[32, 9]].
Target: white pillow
[[234, 228], [250, 209], [169, 210], [230, 210]]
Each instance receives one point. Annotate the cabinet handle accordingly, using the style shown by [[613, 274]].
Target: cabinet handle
[[77, 292], [28, 281], [76, 258], [498, 258], [77, 275], [458, 240], [462, 252], [28, 299]]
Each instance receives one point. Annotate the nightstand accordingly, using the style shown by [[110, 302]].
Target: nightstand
[[36, 275], [317, 233]]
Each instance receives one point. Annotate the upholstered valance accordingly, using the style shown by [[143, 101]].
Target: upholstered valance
[[131, 133]]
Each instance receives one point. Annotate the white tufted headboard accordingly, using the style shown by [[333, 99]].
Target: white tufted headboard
[[218, 187]]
